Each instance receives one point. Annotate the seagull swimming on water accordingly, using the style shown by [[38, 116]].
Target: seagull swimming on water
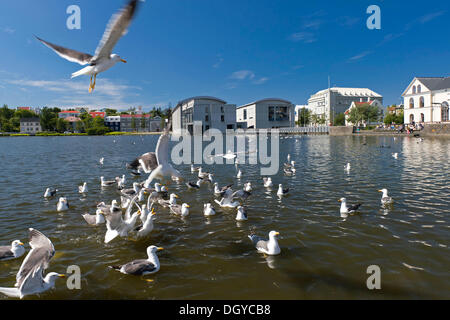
[[348, 209], [63, 204], [15, 250], [385, 199], [164, 168], [50, 192], [269, 247], [103, 58], [141, 267], [30, 279], [83, 188]]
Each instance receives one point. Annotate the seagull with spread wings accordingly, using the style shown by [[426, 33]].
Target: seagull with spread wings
[[30, 278], [103, 58]]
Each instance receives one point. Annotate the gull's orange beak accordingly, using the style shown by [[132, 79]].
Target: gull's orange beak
[[339, 200], [153, 211], [124, 61], [21, 244]]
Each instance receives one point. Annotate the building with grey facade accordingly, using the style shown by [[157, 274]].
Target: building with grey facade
[[30, 125], [206, 112], [266, 114]]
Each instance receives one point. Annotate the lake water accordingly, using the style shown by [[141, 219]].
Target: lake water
[[323, 255]]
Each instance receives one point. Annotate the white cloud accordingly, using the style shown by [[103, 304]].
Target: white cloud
[[261, 80], [219, 62], [430, 16], [360, 56], [8, 30], [304, 36], [74, 93], [242, 75]]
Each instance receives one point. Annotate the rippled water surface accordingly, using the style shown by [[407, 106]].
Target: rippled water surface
[[323, 255]]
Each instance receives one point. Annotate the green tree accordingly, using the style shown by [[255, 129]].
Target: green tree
[[61, 125], [304, 117], [110, 112], [339, 119]]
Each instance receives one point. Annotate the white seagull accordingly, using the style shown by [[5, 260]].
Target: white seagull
[[208, 210], [395, 155], [178, 210], [83, 188], [103, 58], [142, 267], [348, 209], [15, 250], [101, 160], [50, 192], [63, 204], [268, 182], [164, 168], [385, 199], [94, 219], [269, 247], [30, 279], [282, 191], [241, 214]]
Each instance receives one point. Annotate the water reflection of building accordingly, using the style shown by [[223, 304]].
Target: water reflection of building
[[208, 112], [427, 100], [266, 113]]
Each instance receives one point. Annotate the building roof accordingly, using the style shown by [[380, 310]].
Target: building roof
[[73, 119], [35, 119], [23, 108], [352, 92], [198, 98], [264, 100], [134, 115], [97, 114], [68, 111], [437, 83]]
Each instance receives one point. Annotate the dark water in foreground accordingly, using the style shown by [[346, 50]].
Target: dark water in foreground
[[323, 255]]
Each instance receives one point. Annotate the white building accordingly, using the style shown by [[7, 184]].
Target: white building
[[354, 104], [209, 111], [267, 113], [30, 125], [427, 100], [330, 102]]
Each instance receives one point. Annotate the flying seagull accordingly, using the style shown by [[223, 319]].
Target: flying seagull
[[146, 162], [103, 58], [30, 278]]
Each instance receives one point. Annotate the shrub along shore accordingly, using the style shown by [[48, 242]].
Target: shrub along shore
[[56, 134]]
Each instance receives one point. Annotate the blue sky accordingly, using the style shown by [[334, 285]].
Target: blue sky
[[236, 50]]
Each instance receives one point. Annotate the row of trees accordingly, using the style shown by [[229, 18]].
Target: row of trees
[[10, 118]]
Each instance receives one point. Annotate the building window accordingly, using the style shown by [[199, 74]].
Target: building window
[[422, 117], [411, 103], [271, 114], [414, 90], [411, 118], [222, 118], [207, 118], [421, 102], [221, 109], [419, 88], [245, 114], [444, 111]]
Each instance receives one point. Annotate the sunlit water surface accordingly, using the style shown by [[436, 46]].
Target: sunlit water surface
[[323, 255]]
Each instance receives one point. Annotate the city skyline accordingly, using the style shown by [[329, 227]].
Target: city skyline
[[240, 52]]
